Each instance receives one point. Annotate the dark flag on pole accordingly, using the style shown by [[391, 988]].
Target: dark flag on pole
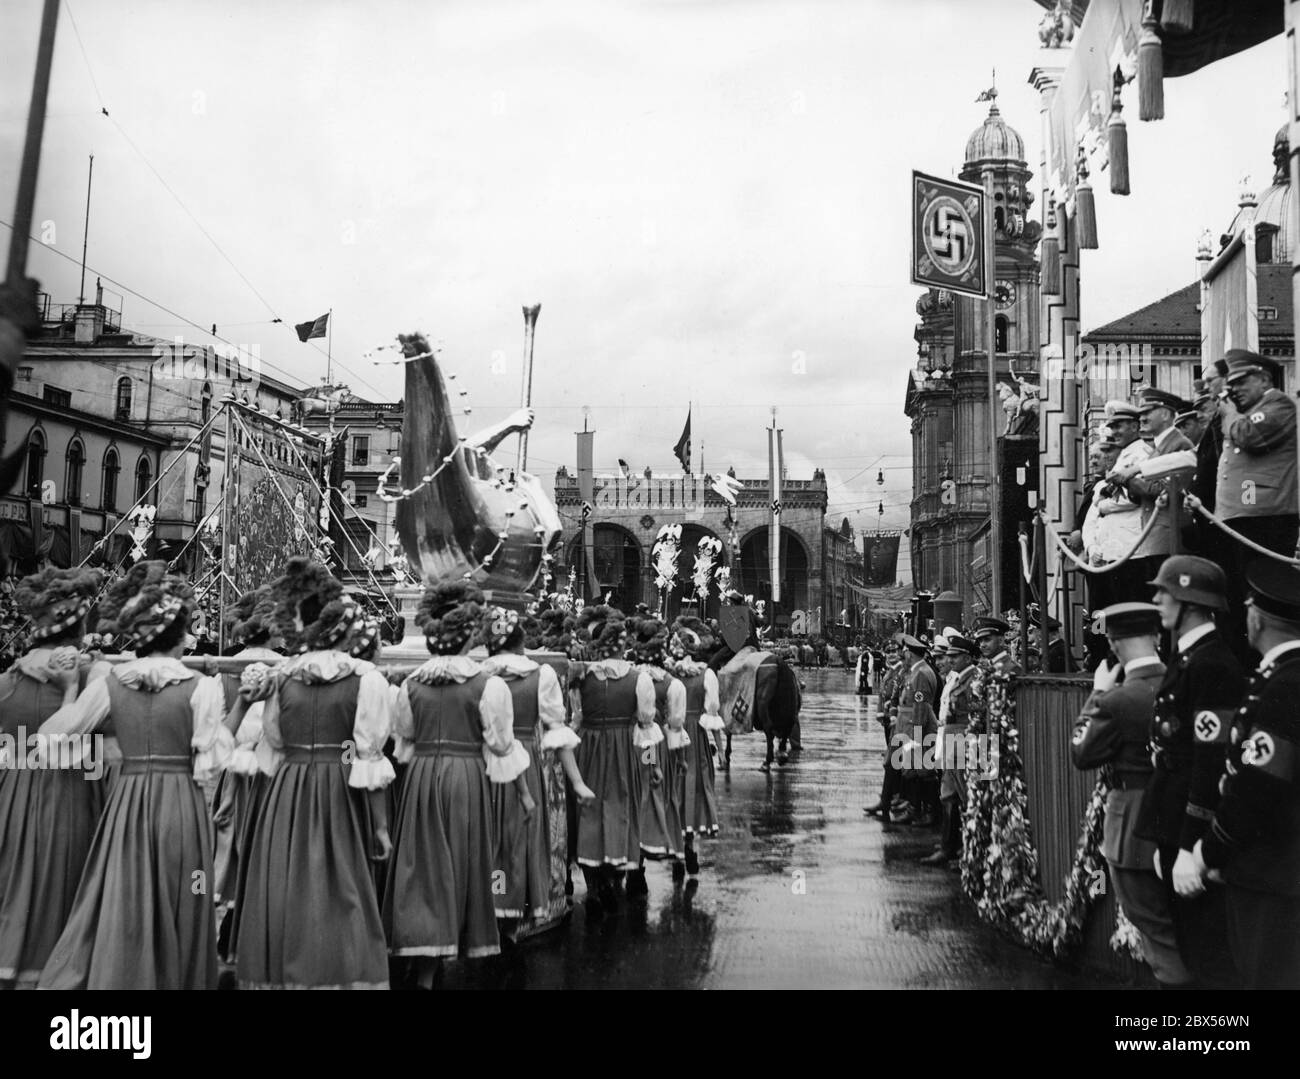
[[317, 328], [683, 448]]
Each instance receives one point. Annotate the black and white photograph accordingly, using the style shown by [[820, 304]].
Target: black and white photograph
[[651, 494]]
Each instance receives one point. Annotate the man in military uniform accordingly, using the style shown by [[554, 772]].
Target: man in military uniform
[[956, 703], [891, 684], [1059, 660], [1189, 737], [1256, 491], [1253, 843], [991, 636], [916, 718], [739, 625], [1121, 511], [1156, 412], [1112, 730]]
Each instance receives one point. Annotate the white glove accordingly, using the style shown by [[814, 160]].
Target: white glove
[[1105, 677]]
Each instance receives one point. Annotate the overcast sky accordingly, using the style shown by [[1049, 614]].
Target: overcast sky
[[705, 197]]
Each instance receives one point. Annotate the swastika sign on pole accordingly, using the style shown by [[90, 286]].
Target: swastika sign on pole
[[948, 235]]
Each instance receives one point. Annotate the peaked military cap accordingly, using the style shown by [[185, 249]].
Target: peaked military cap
[[1275, 588], [1242, 362], [1153, 399], [988, 627], [1127, 620]]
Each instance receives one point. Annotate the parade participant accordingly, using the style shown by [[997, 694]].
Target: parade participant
[[726, 652], [991, 636], [613, 709], [1201, 426], [1189, 735], [1112, 730], [688, 644], [662, 808], [522, 840], [1103, 537], [956, 703], [242, 786], [47, 815], [454, 723], [916, 719], [307, 916], [1253, 843], [1256, 491], [1157, 412], [153, 841]]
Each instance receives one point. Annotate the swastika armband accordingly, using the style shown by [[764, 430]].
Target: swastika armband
[[1268, 752], [918, 696], [1257, 417], [1212, 726]]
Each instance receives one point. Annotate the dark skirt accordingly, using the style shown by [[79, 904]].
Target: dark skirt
[[307, 914], [701, 813], [522, 845], [143, 916], [47, 823], [609, 829], [438, 899]]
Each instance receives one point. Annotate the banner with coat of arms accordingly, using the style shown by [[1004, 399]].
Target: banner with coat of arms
[[948, 235]]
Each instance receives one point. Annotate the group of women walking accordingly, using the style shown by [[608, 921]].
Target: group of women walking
[[310, 822]]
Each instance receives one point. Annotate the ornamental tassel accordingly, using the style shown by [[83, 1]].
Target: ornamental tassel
[[1051, 254], [1085, 208], [1117, 141], [1151, 70], [1176, 16]]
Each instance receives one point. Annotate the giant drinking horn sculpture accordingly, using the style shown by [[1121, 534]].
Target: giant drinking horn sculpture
[[471, 517]]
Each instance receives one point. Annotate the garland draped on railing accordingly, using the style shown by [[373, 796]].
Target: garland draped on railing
[[999, 863]]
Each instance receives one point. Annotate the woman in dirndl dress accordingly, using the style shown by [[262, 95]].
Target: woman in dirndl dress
[[47, 815], [307, 916], [143, 916], [689, 646], [454, 725], [242, 787], [523, 839], [662, 808], [613, 707]]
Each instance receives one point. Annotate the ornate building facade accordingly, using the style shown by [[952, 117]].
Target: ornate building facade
[[955, 445]]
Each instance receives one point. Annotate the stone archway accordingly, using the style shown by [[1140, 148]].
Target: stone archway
[[618, 559], [755, 573]]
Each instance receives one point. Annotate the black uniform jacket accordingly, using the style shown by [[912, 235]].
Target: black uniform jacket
[[1254, 838], [1113, 729], [1189, 739]]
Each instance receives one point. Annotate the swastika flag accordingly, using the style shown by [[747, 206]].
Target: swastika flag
[[948, 235]]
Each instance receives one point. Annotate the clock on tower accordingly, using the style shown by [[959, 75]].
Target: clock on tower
[[1004, 294]]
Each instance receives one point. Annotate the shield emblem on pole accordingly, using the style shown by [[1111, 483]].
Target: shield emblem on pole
[[733, 622]]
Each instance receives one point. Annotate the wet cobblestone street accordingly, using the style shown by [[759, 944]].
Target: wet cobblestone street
[[800, 890]]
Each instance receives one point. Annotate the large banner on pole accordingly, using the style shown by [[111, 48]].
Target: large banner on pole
[[1230, 300], [948, 249], [880, 560]]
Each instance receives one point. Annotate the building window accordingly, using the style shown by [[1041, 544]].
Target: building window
[[143, 479], [111, 469], [205, 406], [1000, 334], [360, 451], [123, 412], [360, 501], [200, 502], [359, 536], [76, 471], [35, 464], [54, 396]]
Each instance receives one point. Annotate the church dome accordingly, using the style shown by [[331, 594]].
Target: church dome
[[995, 140], [1274, 210]]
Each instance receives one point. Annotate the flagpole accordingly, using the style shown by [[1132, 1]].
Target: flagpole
[[329, 347]]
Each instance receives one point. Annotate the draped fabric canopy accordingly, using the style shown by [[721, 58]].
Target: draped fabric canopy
[[1109, 38]]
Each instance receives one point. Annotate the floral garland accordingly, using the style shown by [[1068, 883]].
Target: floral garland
[[999, 865]]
